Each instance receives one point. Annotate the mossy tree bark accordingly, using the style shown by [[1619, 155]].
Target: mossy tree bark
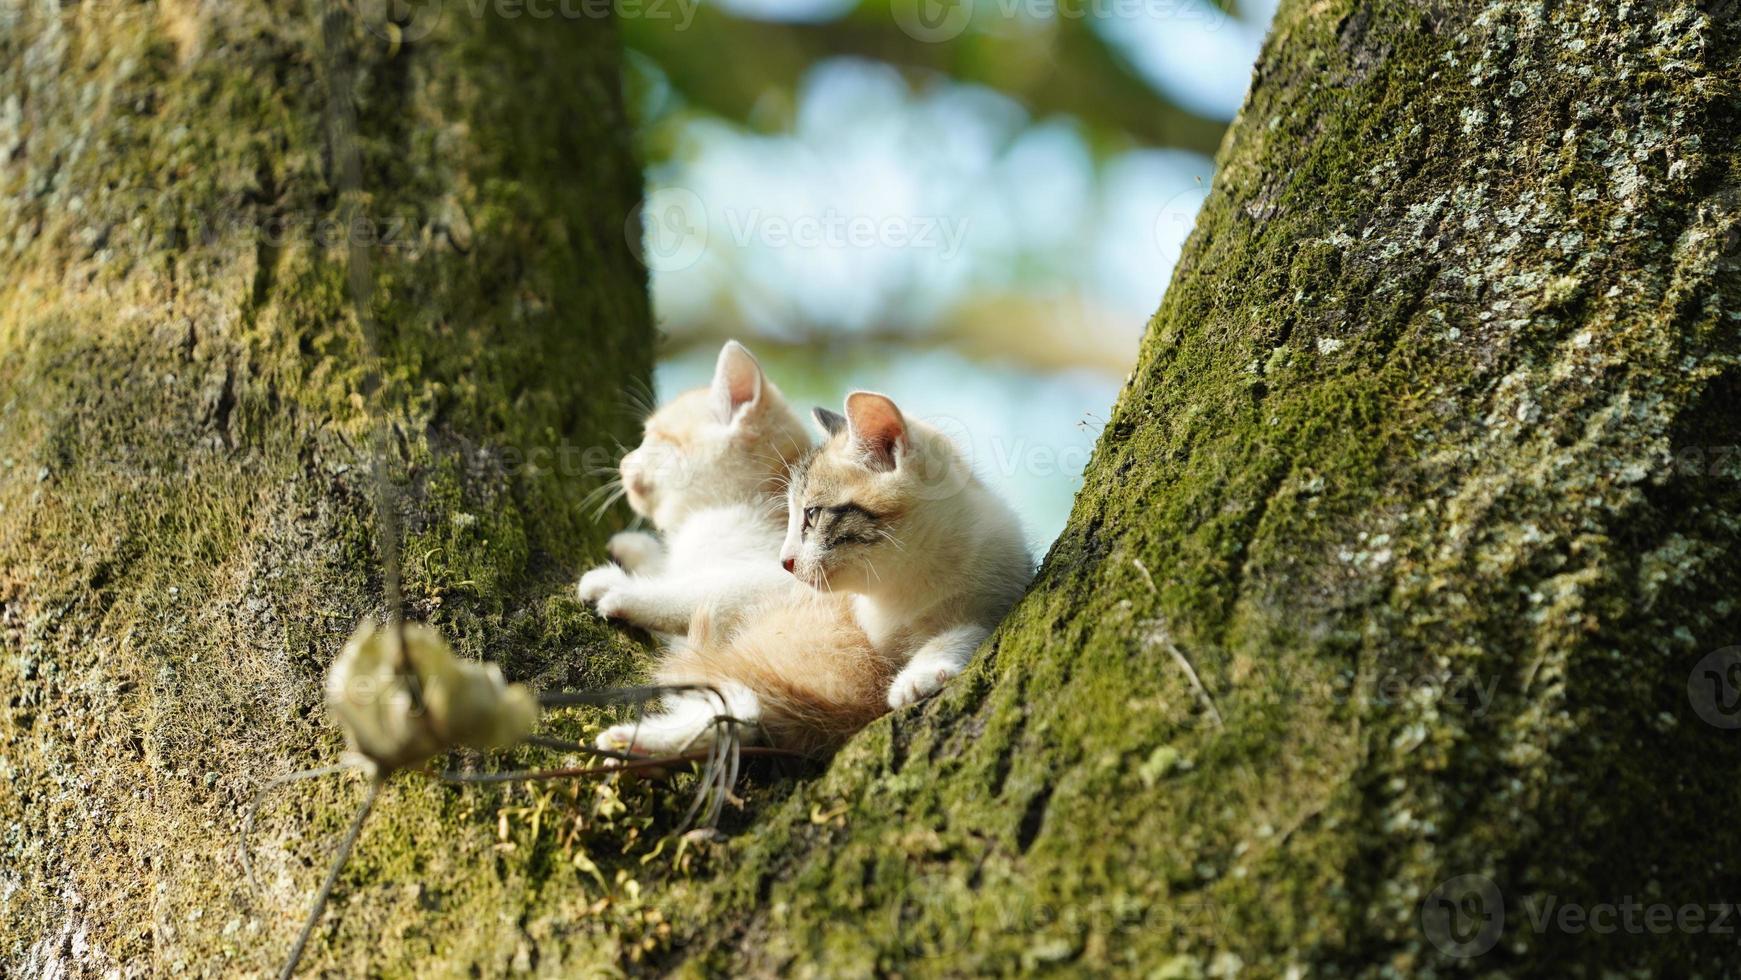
[[186, 517], [1428, 471]]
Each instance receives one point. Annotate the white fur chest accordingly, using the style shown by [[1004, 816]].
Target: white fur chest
[[725, 535]]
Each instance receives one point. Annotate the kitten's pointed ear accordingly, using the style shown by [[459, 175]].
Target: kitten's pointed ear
[[876, 429], [832, 422], [737, 381]]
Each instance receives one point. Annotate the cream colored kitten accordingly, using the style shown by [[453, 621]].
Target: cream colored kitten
[[708, 474], [890, 511]]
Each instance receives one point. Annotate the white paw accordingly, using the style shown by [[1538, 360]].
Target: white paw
[[653, 736], [918, 682], [618, 603], [635, 550], [617, 738], [594, 584]]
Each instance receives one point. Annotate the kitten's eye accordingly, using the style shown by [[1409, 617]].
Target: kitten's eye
[[810, 517]]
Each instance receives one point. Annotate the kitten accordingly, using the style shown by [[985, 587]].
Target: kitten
[[890, 511], [709, 474], [797, 671]]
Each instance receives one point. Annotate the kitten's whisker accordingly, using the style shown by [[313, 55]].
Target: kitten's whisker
[[599, 491], [616, 495], [640, 391], [627, 765], [639, 405]]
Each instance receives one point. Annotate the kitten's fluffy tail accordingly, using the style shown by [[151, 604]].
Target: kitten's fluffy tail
[[815, 676]]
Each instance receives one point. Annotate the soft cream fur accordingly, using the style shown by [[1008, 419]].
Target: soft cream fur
[[946, 557], [797, 672], [792, 665], [708, 474]]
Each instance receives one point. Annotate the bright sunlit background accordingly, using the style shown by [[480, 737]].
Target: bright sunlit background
[[971, 205]]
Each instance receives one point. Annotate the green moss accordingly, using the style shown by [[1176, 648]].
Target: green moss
[[1404, 465], [181, 367], [1391, 458]]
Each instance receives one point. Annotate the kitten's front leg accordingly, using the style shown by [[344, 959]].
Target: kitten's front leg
[[662, 607], [594, 584], [666, 604], [933, 664], [645, 602]]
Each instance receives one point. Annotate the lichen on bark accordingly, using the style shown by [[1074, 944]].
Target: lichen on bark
[[1427, 471], [186, 523]]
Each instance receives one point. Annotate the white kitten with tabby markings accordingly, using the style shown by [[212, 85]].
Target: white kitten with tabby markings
[[888, 509], [708, 474]]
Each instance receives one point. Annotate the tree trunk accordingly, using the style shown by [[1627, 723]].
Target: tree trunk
[[1401, 576], [187, 531], [1428, 472]]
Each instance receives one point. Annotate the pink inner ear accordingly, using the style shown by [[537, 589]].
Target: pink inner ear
[[737, 381], [876, 426]]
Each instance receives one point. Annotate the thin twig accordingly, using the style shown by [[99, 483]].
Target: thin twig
[[702, 787], [1158, 633], [254, 811], [1191, 672], [1138, 562], [564, 745], [360, 282], [530, 775], [332, 876], [617, 695]]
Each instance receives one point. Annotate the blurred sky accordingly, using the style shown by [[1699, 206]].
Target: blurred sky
[[971, 206]]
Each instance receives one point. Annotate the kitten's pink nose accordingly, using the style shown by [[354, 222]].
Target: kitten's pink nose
[[789, 564]]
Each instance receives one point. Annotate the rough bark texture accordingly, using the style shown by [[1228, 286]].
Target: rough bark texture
[[186, 527], [1442, 401], [1426, 470]]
